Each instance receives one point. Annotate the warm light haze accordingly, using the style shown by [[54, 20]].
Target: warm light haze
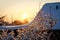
[[20, 10]]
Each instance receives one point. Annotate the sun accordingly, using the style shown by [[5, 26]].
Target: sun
[[24, 17]]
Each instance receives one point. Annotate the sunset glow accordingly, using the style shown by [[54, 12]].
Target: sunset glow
[[20, 10], [24, 16]]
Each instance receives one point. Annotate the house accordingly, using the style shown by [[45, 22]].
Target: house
[[54, 10]]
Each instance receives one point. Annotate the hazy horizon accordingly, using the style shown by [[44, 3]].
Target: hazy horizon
[[17, 8]]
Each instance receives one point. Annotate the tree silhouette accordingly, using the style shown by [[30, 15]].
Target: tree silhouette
[[16, 22]]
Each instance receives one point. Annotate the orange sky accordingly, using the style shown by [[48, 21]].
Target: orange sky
[[17, 8]]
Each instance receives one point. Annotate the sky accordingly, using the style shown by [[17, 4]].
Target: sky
[[16, 8]]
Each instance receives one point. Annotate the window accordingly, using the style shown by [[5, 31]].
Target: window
[[56, 7]]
